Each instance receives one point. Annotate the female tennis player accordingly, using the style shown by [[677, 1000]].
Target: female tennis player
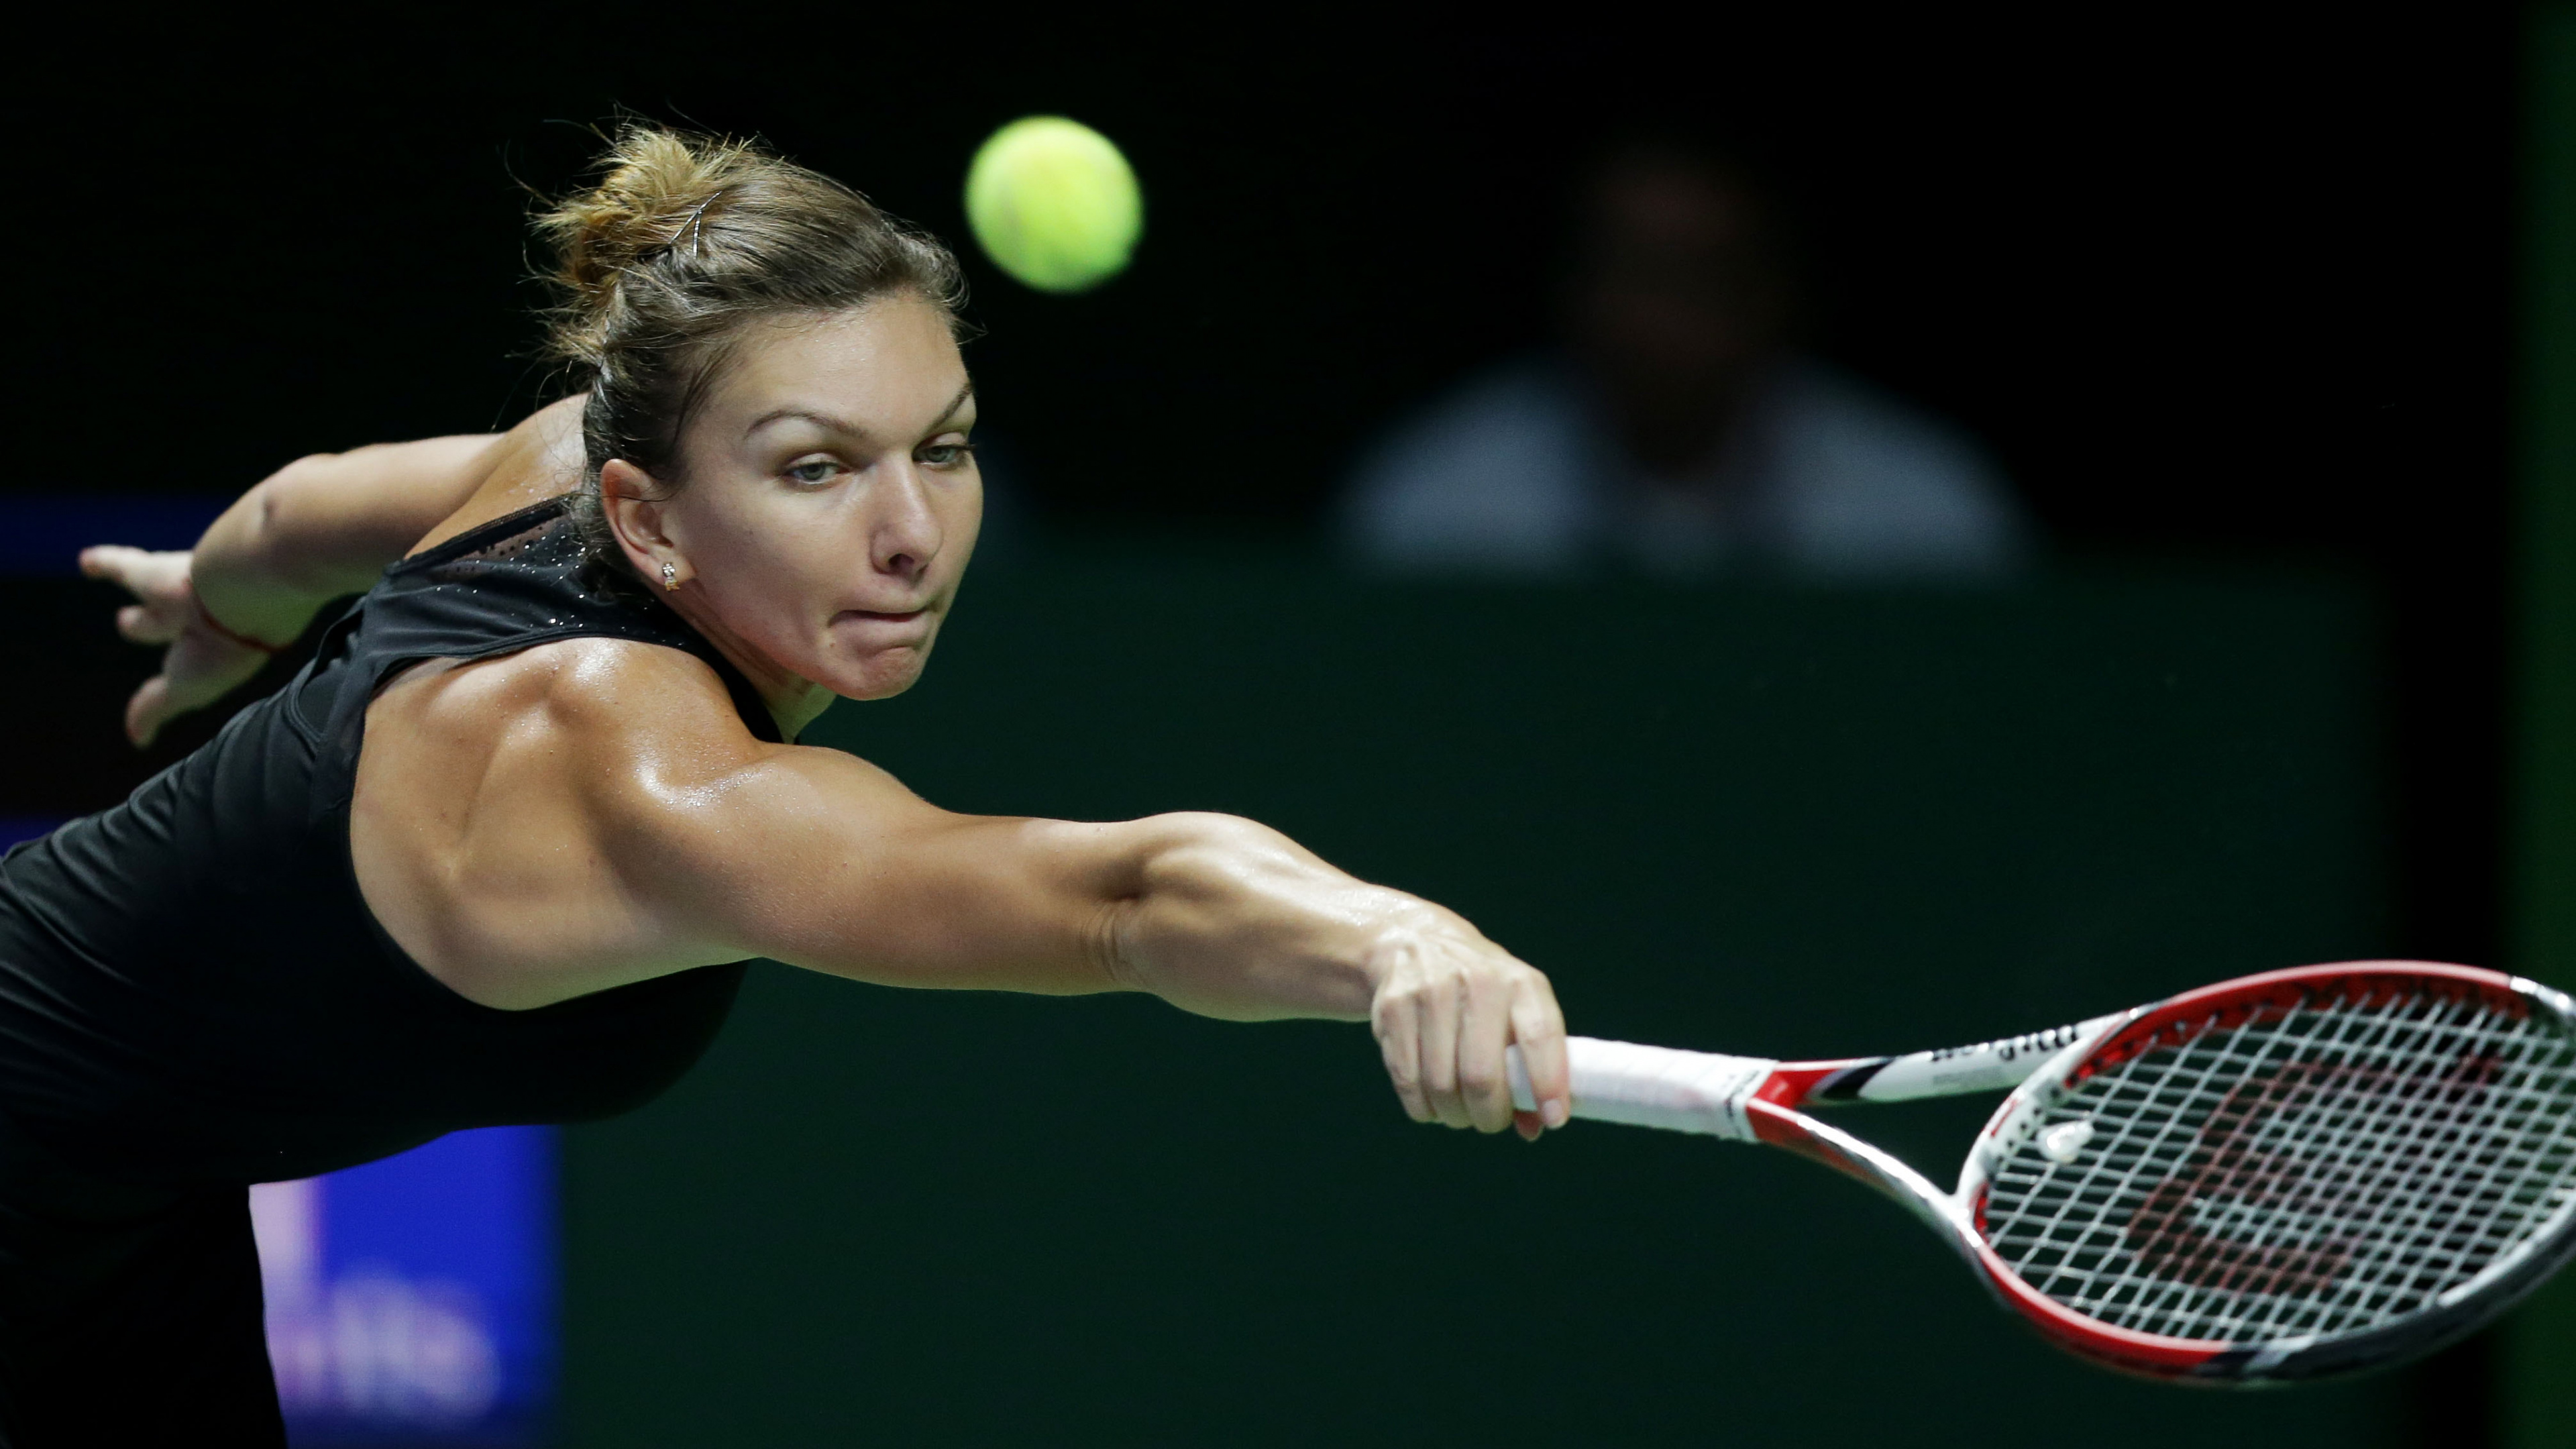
[[499, 853]]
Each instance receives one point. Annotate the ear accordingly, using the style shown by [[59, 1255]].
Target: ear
[[634, 505]]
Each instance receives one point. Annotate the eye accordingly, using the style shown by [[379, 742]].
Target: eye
[[811, 471], [947, 455]]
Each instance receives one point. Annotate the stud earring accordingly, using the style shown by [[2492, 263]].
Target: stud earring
[[671, 576]]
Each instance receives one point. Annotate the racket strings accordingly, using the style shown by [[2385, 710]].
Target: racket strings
[[2231, 1172], [2241, 1253], [2274, 1222], [2319, 1170], [2351, 1188], [2464, 1140], [2365, 1216]]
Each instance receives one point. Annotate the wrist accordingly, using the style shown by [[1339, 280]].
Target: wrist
[[1232, 919], [1393, 936], [206, 621]]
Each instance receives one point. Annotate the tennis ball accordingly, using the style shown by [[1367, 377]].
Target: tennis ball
[[1054, 204]]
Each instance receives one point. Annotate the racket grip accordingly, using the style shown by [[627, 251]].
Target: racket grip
[[1647, 1086]]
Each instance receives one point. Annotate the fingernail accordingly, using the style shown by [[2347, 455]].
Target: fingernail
[[1552, 1112]]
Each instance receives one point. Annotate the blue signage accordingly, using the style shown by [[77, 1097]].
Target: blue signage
[[413, 1299], [410, 1301]]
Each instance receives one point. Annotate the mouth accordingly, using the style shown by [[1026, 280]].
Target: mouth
[[883, 626]]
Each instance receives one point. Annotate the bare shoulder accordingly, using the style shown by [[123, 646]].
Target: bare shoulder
[[625, 699], [549, 439], [666, 766], [537, 826], [639, 748], [590, 703]]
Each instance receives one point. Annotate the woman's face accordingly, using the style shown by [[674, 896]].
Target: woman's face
[[831, 500]]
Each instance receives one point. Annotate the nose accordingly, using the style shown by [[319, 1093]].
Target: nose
[[903, 529]]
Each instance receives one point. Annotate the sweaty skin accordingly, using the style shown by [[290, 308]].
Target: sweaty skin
[[588, 813]]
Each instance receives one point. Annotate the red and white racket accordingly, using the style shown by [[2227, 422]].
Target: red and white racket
[[2288, 1176]]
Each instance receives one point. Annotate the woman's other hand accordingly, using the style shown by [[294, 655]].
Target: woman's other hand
[[199, 666], [1447, 1003]]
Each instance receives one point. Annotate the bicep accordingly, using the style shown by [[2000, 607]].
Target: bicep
[[819, 859]]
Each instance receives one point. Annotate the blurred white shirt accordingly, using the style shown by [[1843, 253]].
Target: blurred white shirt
[[1517, 475]]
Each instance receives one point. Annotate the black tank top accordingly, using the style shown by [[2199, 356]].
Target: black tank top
[[191, 988]]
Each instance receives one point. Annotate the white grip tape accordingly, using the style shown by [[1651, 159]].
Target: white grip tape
[[1645, 1086]]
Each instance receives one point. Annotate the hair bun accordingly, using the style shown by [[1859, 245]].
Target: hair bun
[[657, 187]]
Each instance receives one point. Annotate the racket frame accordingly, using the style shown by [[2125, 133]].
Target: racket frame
[[2455, 1312], [2039, 1068]]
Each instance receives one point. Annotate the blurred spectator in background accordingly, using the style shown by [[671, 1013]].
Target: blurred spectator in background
[[1679, 431]]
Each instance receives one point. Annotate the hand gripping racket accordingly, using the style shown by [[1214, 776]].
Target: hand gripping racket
[[2283, 1177]]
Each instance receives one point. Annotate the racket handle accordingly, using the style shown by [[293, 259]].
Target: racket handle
[[1646, 1086]]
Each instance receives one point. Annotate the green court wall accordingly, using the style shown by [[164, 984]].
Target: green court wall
[[1776, 822], [2539, 1359]]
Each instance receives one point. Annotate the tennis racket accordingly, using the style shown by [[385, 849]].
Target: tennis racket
[[2283, 1177]]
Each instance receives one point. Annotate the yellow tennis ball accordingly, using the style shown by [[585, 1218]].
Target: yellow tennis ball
[[1054, 204]]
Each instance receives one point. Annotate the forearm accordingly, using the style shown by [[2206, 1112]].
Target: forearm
[[1233, 919], [1215, 914], [820, 859], [249, 577], [324, 526]]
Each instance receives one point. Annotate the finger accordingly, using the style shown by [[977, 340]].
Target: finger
[[1439, 1038], [148, 710], [1484, 1021], [1538, 1028], [142, 624], [114, 562], [1396, 1023]]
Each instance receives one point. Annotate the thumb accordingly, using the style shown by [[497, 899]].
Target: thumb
[[148, 710], [139, 624]]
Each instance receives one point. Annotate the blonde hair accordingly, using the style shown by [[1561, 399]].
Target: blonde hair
[[682, 242]]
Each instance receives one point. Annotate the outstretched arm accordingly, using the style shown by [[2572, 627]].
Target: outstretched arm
[[822, 860], [316, 529], [1215, 914], [590, 813]]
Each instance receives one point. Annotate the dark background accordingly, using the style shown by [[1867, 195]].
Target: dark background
[[1806, 819], [2233, 284], [2221, 289]]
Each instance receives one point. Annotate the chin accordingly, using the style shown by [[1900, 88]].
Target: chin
[[879, 678]]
